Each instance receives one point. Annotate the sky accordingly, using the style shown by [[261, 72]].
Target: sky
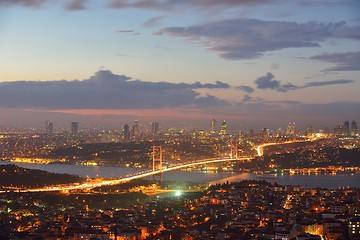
[[253, 63]]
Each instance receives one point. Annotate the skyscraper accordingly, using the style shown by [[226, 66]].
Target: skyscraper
[[126, 130], [155, 127], [135, 129], [346, 128], [291, 129], [354, 128], [326, 130], [308, 130], [49, 127], [74, 128], [223, 127], [265, 132], [339, 130], [213, 126], [251, 133]]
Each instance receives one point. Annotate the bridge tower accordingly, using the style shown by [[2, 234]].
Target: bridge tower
[[233, 149], [157, 158]]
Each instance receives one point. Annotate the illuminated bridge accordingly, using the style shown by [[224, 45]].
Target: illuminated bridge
[[111, 182], [157, 170]]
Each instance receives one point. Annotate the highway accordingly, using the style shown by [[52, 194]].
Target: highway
[[260, 148]]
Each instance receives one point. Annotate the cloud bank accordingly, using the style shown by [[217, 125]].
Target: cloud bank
[[204, 5], [147, 4], [251, 38], [268, 82], [108, 97], [24, 3], [105, 90], [164, 5], [186, 4], [349, 61]]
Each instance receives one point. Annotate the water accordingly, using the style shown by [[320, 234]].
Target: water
[[321, 180], [342, 180], [82, 171]]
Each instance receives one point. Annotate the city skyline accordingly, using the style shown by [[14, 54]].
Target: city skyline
[[254, 64], [138, 128]]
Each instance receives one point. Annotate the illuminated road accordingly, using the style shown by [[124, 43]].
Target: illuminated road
[[260, 148]]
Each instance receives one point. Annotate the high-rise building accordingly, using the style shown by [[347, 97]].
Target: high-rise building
[[223, 127], [354, 227], [265, 132], [126, 130], [155, 127], [279, 133], [49, 127], [354, 128], [74, 128], [135, 129], [213, 126], [291, 129], [251, 133], [309, 130], [346, 128], [339, 130], [326, 130]]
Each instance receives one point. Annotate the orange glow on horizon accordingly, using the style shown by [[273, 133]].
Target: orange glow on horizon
[[141, 113]]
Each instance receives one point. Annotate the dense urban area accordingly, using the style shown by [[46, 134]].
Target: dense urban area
[[154, 209]]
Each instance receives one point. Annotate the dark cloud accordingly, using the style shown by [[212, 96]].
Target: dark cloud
[[24, 3], [250, 38], [287, 87], [333, 82], [128, 32], [218, 84], [349, 61], [104, 90], [76, 5], [210, 101], [148, 4], [153, 22], [246, 89], [246, 98], [203, 5], [216, 4], [268, 82], [71, 5], [186, 4]]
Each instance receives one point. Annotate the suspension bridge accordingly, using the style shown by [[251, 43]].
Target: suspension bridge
[[156, 170]]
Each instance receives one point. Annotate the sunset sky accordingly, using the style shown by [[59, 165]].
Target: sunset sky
[[253, 63]]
